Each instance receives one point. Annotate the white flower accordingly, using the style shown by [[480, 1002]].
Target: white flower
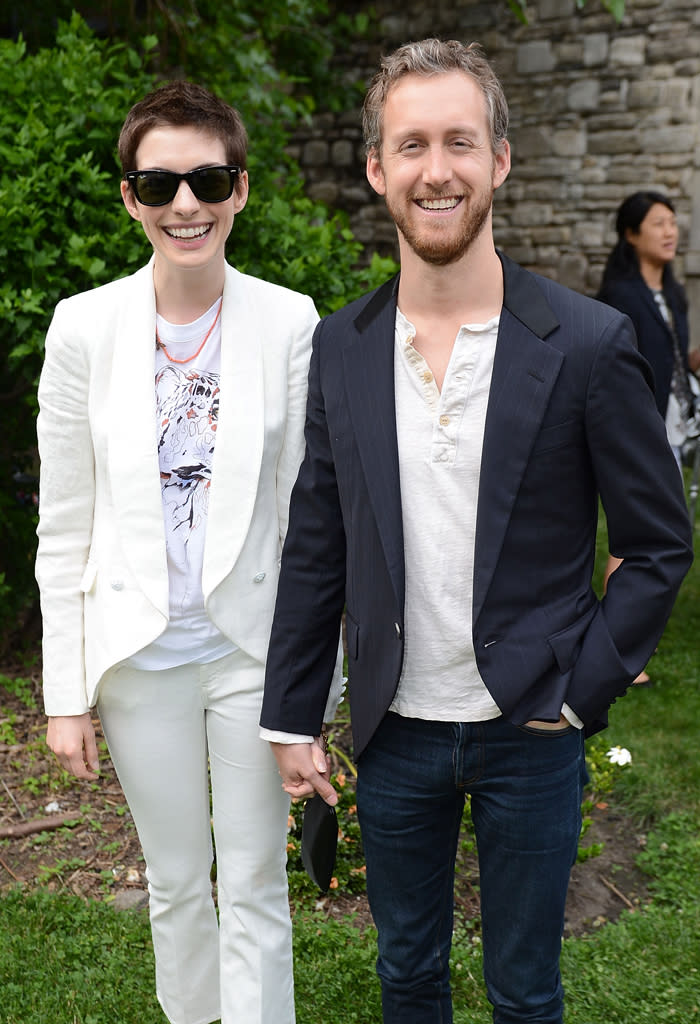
[[619, 755], [53, 807]]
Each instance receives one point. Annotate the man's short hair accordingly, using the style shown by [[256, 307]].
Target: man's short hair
[[433, 57], [182, 104]]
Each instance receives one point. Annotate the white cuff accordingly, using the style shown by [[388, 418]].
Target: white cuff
[[571, 717], [283, 737]]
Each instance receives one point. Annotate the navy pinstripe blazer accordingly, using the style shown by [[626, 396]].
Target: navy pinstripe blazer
[[571, 419]]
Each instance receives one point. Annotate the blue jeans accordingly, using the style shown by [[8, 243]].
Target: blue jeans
[[526, 789]]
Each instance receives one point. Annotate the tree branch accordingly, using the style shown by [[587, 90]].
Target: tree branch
[[27, 828]]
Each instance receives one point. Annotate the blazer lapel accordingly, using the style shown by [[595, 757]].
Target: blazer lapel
[[369, 372], [524, 372], [239, 435], [132, 438]]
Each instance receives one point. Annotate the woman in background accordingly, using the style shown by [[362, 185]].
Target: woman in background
[[638, 280]]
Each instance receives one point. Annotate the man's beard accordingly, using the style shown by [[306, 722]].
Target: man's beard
[[442, 249]]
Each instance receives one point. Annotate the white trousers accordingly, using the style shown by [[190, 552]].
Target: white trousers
[[164, 730]]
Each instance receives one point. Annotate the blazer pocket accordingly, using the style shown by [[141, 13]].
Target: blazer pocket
[[87, 582], [558, 436], [566, 643]]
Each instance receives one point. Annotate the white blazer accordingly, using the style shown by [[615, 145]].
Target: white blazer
[[101, 562]]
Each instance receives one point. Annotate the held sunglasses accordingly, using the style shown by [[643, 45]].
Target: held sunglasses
[[208, 184]]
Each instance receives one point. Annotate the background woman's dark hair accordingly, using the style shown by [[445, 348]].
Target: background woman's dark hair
[[622, 261]]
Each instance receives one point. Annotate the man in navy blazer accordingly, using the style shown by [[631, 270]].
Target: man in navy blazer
[[463, 422]]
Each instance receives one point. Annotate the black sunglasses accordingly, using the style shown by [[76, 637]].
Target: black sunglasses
[[209, 184]]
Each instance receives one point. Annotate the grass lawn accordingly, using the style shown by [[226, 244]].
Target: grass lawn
[[65, 961]]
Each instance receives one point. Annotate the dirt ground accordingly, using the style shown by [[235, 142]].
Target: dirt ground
[[80, 838]]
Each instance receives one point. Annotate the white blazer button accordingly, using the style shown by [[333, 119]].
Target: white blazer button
[[259, 577], [117, 584]]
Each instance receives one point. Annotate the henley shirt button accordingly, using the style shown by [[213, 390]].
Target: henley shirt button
[[117, 584], [444, 420], [259, 577], [427, 376]]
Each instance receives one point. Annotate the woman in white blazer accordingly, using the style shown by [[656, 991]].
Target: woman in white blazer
[[170, 431]]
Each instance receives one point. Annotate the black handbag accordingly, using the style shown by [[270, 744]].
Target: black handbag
[[319, 841]]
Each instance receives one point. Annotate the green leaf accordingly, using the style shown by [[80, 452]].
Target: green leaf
[[519, 10], [616, 8]]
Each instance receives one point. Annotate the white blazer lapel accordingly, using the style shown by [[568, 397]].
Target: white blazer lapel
[[240, 433], [133, 457]]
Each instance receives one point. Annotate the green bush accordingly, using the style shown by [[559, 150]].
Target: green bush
[[253, 57], [65, 228]]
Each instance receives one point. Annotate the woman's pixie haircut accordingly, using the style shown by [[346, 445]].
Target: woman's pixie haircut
[[182, 104], [434, 57]]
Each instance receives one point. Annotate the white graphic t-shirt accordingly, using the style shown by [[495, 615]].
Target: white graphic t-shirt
[[187, 407]]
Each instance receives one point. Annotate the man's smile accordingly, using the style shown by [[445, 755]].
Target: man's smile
[[444, 203]]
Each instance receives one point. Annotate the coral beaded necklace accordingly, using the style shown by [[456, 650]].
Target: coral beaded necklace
[[161, 345]]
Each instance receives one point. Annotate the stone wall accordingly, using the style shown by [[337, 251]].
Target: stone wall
[[598, 110]]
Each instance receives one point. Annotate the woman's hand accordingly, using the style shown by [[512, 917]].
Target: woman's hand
[[72, 739]]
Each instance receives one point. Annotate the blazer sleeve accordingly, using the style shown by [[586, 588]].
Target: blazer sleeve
[[648, 525], [290, 458], [66, 503], [303, 655]]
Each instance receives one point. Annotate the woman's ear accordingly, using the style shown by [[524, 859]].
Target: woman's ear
[[240, 192], [129, 200]]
